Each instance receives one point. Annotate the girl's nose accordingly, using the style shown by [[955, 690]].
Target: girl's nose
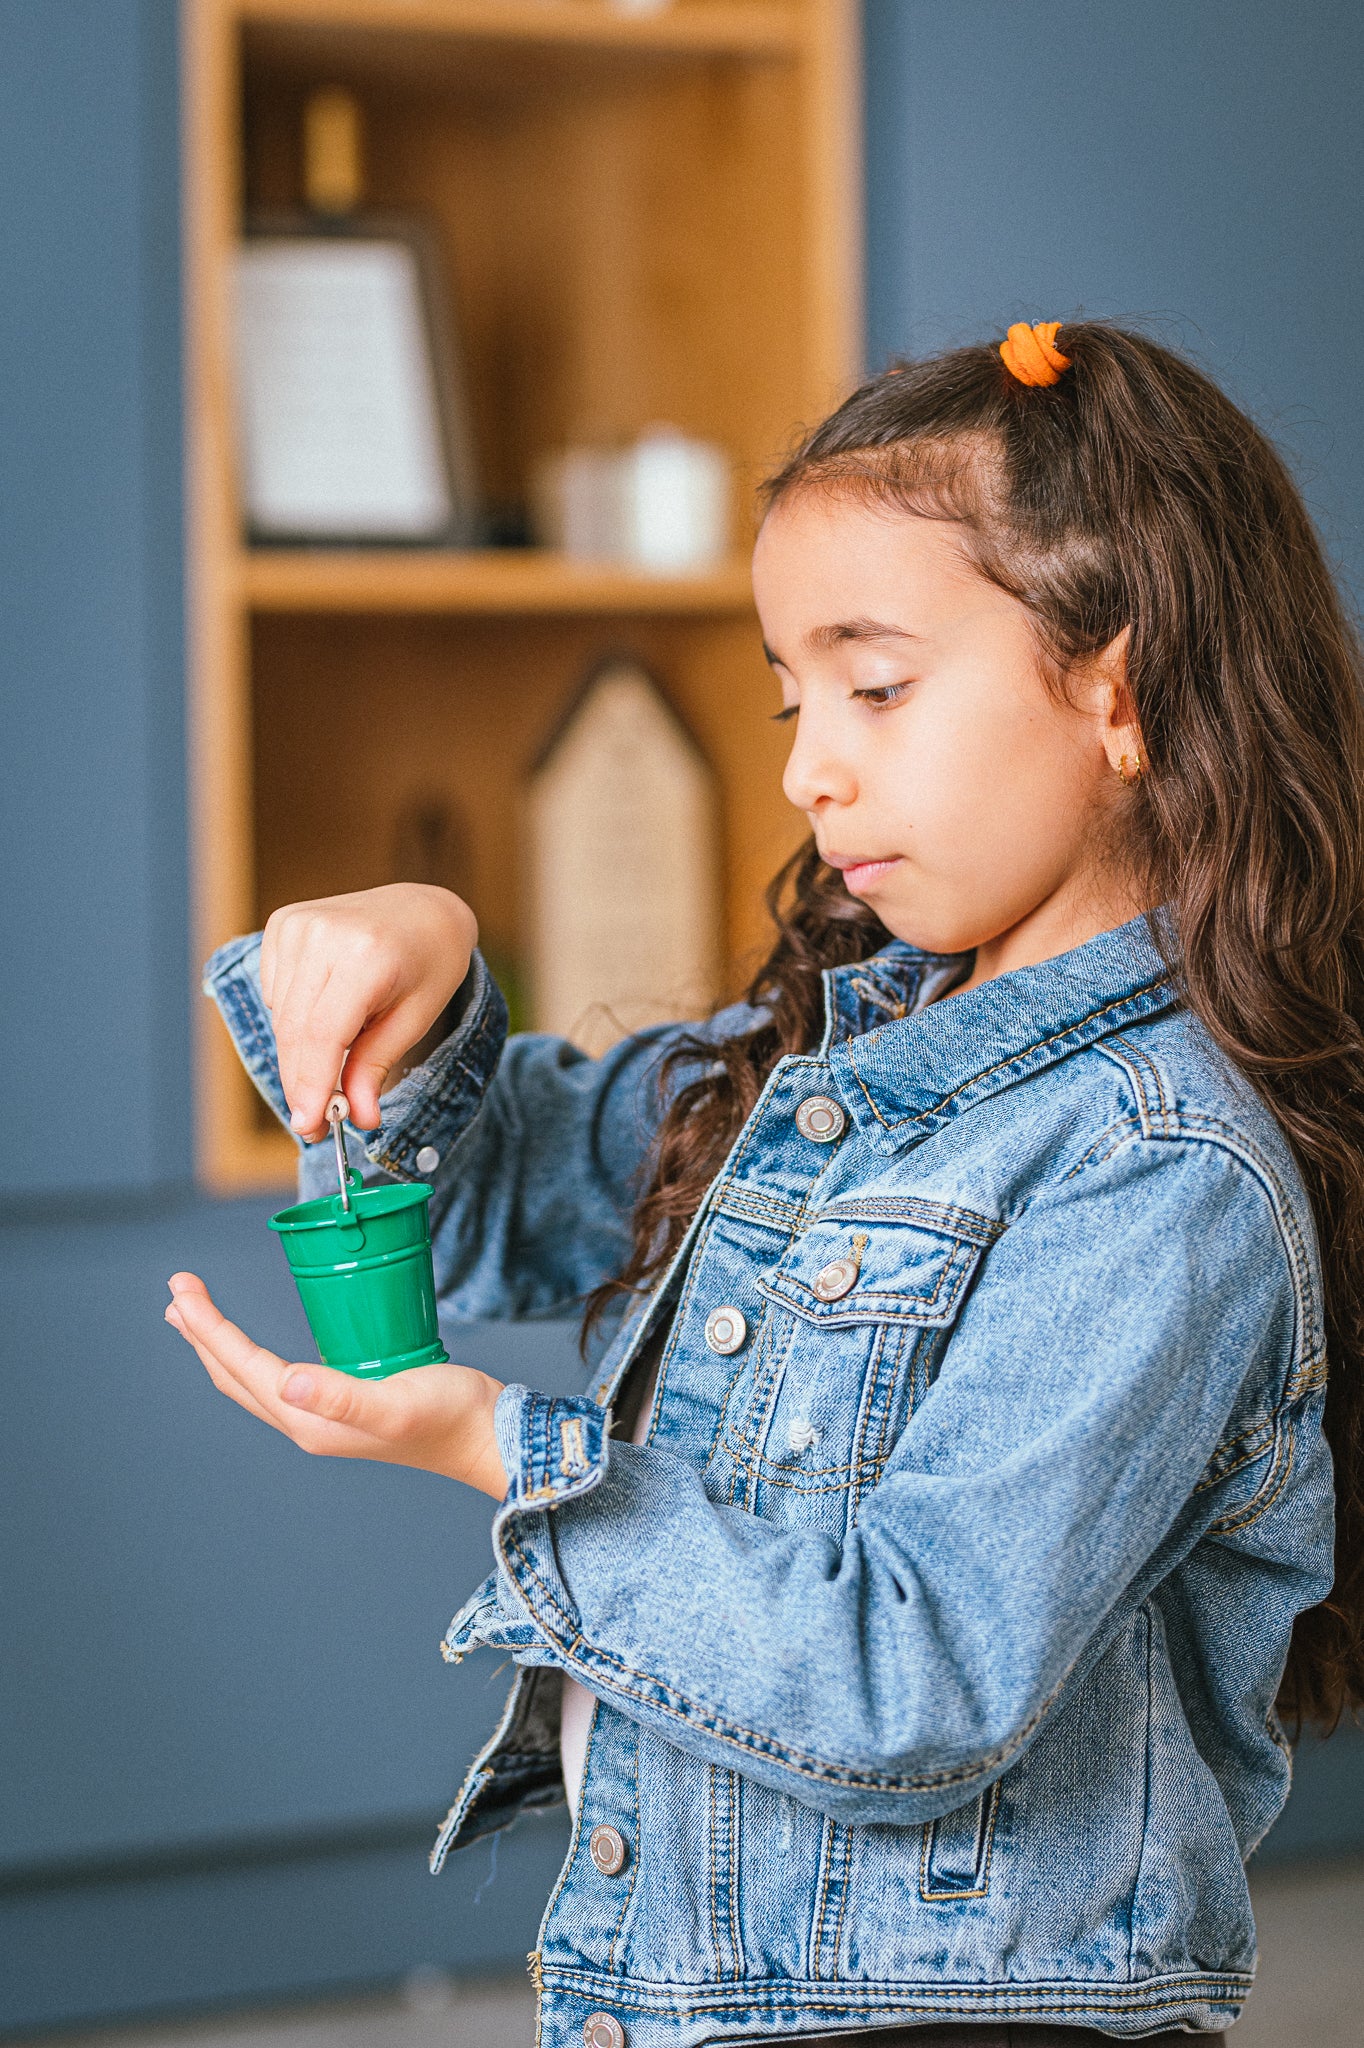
[[816, 771]]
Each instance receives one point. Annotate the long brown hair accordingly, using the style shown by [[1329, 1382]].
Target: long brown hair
[[1133, 494]]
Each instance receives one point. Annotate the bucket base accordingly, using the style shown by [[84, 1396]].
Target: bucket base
[[384, 1368]]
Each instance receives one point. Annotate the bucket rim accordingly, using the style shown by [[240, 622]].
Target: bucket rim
[[322, 1212]]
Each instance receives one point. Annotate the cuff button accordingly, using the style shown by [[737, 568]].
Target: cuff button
[[428, 1159], [603, 2030]]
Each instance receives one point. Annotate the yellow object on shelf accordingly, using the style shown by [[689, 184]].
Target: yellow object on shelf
[[333, 175]]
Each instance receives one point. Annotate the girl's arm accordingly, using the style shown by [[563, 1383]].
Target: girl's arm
[[533, 1150]]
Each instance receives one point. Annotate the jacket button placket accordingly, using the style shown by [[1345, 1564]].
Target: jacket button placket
[[606, 1847], [820, 1119], [726, 1329]]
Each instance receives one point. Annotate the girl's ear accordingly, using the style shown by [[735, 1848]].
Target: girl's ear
[[1115, 712]]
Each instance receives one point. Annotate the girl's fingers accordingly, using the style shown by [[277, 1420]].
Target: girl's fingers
[[312, 1043], [375, 1051], [439, 1419], [235, 1364], [223, 1381], [322, 1410]]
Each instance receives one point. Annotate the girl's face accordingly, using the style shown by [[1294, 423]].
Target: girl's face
[[965, 801]]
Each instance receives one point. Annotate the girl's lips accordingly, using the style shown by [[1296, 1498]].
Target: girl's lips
[[860, 874]]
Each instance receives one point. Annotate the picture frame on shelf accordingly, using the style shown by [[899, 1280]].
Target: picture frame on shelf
[[352, 423]]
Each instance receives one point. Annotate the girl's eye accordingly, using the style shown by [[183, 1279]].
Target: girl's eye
[[886, 694], [787, 711]]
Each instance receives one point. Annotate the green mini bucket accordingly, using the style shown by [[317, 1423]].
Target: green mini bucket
[[365, 1278]]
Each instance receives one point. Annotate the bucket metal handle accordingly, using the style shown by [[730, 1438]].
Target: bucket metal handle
[[338, 1109]]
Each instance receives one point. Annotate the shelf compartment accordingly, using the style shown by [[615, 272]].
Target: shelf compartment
[[486, 582], [641, 219]]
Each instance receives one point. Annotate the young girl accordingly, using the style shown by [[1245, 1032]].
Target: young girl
[[904, 1607]]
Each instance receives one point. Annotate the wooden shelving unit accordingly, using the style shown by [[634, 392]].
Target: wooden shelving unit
[[642, 217]]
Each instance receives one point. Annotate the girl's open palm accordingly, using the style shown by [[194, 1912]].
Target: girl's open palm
[[438, 1418], [358, 979]]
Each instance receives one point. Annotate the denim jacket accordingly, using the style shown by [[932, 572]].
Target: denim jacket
[[935, 1629]]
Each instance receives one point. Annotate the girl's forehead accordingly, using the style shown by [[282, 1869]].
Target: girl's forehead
[[830, 569]]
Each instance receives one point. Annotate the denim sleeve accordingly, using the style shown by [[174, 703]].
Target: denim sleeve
[[1053, 1475], [534, 1151]]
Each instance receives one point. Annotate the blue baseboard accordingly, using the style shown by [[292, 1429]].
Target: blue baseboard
[[269, 1927]]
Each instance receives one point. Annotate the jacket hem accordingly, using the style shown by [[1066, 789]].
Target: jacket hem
[[1202, 2001]]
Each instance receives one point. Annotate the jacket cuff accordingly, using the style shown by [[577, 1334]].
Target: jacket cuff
[[434, 1105], [428, 1110], [232, 979], [553, 1447]]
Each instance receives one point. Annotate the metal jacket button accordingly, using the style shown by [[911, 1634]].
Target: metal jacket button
[[725, 1330], [603, 2030], [820, 1119], [836, 1279], [428, 1159], [606, 1847]]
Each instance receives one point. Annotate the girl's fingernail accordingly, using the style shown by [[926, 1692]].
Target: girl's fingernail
[[298, 1390], [173, 1318], [296, 1119]]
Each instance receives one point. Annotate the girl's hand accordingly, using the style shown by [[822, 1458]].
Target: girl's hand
[[438, 1418], [358, 979]]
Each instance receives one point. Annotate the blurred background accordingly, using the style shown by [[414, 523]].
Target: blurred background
[[585, 267]]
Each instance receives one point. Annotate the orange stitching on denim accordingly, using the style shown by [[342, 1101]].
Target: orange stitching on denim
[[1258, 1505], [1264, 1428], [843, 1895], [871, 1387], [893, 1383], [1134, 1062], [736, 1932], [870, 1301], [711, 1774], [946, 1219], [828, 1848]]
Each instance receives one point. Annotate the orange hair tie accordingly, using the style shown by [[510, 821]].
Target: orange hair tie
[[1031, 354]]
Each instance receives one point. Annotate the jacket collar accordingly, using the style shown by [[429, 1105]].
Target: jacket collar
[[903, 1076]]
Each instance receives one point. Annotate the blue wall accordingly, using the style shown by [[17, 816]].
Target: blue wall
[[1192, 167], [227, 1731], [93, 1023]]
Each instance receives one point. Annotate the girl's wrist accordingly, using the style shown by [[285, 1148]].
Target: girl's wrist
[[476, 1460]]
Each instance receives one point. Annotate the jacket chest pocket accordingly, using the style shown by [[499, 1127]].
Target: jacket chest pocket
[[845, 1269], [859, 1307]]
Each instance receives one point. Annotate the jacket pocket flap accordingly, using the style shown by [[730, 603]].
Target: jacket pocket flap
[[842, 1270]]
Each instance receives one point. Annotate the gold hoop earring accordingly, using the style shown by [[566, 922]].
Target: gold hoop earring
[[1121, 771]]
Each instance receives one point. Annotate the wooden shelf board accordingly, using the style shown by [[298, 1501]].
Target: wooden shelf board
[[697, 28], [488, 581]]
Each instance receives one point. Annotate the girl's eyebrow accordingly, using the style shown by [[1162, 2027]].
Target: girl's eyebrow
[[820, 638]]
